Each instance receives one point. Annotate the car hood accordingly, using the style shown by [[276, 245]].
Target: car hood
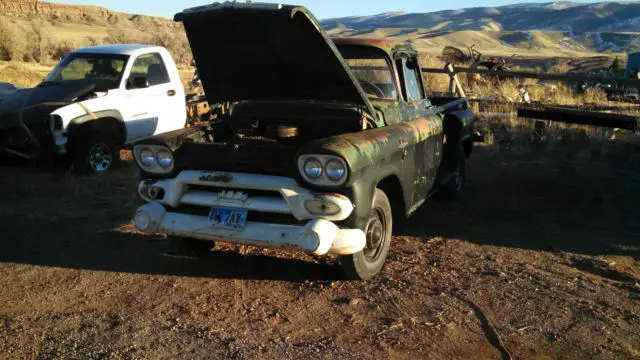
[[249, 51], [35, 104], [6, 89]]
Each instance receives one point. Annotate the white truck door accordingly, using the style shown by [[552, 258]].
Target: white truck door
[[150, 97]]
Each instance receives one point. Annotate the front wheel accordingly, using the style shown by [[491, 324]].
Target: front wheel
[[95, 154], [378, 228]]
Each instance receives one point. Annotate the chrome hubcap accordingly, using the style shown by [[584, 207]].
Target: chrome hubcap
[[100, 158], [375, 232]]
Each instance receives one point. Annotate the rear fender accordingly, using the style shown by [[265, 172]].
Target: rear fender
[[458, 126], [458, 132]]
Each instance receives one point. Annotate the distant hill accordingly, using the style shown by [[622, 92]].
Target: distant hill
[[565, 28], [33, 30], [569, 16]]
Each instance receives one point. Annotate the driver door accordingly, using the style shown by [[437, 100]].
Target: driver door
[[146, 95], [416, 107]]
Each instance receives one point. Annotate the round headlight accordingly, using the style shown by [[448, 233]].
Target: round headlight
[[147, 158], [165, 159], [335, 170], [313, 168]]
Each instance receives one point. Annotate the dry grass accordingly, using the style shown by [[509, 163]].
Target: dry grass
[[28, 74], [507, 90]]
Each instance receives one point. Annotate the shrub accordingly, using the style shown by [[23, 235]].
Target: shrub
[[39, 39], [13, 46]]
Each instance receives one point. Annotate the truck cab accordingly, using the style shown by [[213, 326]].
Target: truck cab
[[95, 100], [319, 144]]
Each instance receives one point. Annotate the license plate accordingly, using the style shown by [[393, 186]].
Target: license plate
[[228, 218]]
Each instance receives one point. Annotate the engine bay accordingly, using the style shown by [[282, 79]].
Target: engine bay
[[282, 123]]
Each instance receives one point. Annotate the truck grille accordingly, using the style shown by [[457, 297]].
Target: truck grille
[[261, 158], [268, 206]]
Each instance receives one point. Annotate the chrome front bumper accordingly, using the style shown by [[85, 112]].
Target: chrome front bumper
[[317, 233]]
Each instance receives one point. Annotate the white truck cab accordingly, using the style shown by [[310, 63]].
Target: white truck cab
[[131, 92]]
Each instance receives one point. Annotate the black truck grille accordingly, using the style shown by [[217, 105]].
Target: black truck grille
[[268, 159]]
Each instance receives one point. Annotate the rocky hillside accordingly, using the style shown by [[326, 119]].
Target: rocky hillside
[[32, 30], [93, 15]]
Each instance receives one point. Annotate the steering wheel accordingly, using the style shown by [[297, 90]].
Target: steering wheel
[[372, 89]]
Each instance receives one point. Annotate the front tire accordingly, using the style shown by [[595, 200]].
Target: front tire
[[95, 153], [367, 263]]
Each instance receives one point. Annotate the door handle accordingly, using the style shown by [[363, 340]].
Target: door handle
[[171, 92]]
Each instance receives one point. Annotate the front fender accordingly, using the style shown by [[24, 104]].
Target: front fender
[[361, 191], [374, 155], [76, 115], [370, 148], [83, 111]]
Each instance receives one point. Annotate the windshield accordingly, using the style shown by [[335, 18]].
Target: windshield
[[371, 69], [105, 69]]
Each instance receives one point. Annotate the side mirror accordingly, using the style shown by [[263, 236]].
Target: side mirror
[[139, 82], [412, 63]]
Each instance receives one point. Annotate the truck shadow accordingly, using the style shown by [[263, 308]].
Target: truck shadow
[[50, 218], [548, 203], [545, 203], [66, 245]]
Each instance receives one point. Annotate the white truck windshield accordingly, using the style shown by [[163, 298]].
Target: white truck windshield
[[105, 69]]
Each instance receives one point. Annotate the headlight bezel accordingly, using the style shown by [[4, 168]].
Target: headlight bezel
[[323, 179], [156, 167]]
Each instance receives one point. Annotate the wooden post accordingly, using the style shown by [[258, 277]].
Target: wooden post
[[454, 83]]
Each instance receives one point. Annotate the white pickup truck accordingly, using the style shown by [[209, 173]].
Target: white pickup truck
[[96, 100]]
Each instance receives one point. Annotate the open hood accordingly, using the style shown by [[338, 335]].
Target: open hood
[[251, 51]]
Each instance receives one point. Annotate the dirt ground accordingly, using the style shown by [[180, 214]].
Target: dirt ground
[[539, 260]]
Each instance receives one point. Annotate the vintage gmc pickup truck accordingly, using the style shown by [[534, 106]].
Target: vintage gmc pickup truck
[[321, 145]]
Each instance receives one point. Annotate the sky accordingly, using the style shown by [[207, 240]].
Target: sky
[[322, 9]]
